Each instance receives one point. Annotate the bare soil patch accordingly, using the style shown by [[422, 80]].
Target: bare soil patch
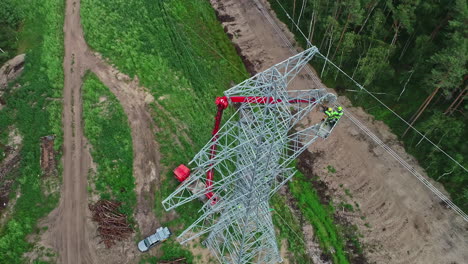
[[8, 165], [400, 220], [11, 70], [306, 162], [202, 255]]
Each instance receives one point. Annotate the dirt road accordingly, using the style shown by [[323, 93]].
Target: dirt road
[[401, 220], [68, 234], [71, 233]]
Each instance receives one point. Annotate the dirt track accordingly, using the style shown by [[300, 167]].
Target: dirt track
[[407, 223], [71, 233]]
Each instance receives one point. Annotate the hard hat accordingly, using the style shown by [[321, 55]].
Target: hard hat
[[329, 109], [340, 108]]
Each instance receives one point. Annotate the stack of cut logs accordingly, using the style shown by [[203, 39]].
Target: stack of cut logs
[[112, 225]]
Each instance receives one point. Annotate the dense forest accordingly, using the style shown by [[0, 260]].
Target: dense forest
[[412, 55]]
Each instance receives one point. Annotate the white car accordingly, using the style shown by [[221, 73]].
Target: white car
[[160, 236]]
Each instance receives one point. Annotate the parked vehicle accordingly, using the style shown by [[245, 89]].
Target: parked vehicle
[[160, 236]]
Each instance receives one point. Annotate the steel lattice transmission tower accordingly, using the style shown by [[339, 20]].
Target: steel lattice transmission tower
[[254, 149]]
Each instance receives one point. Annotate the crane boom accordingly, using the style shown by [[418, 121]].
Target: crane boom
[[182, 172]]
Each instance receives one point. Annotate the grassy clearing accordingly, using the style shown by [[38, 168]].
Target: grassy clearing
[[180, 52], [172, 250], [34, 110], [289, 229], [321, 218], [166, 46], [107, 129]]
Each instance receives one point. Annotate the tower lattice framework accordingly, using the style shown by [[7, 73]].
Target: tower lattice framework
[[255, 148]]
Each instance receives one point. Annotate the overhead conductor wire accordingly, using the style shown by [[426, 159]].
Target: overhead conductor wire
[[353, 119], [371, 94]]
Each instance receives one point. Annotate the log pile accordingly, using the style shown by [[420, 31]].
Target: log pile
[[48, 162], [112, 225]]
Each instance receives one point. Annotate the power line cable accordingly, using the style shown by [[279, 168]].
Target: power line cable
[[288, 43], [367, 91], [360, 125], [405, 164], [208, 44], [388, 108], [318, 83]]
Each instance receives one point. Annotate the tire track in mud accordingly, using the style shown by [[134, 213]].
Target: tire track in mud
[[70, 227]]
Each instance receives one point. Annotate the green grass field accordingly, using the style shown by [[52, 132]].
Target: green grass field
[[35, 109], [107, 129], [181, 54]]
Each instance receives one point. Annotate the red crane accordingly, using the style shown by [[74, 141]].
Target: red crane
[[182, 172]]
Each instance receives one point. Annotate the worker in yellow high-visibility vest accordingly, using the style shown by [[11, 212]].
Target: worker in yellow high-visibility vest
[[329, 113], [338, 113]]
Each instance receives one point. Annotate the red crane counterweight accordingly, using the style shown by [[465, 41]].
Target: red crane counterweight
[[181, 173]]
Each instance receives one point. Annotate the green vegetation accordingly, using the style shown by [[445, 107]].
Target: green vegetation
[[406, 52], [175, 48], [331, 169], [107, 129], [172, 250], [320, 216], [346, 206], [348, 193], [11, 16], [180, 52], [289, 229], [35, 109]]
